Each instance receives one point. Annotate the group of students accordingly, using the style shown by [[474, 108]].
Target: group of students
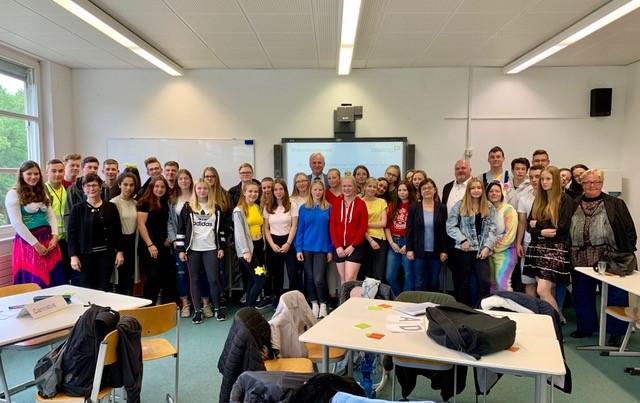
[[507, 229]]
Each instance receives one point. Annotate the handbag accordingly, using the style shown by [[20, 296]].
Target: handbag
[[619, 263], [459, 327]]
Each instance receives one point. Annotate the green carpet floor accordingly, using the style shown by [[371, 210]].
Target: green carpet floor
[[595, 378]]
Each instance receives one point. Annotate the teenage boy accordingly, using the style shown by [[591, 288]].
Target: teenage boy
[[71, 169], [110, 188], [58, 195]]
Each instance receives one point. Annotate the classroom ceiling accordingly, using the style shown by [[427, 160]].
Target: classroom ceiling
[[279, 34]]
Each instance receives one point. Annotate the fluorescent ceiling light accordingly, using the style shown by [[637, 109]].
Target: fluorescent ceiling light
[[586, 26], [92, 15], [350, 17]]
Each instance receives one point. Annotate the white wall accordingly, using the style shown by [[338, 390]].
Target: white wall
[[57, 113], [630, 144], [541, 108]]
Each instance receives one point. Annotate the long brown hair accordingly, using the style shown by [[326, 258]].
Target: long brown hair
[[466, 206], [31, 194], [286, 203], [546, 205], [220, 195], [411, 197], [178, 192], [148, 197]]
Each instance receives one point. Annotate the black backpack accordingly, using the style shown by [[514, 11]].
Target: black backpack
[[81, 350], [459, 327]]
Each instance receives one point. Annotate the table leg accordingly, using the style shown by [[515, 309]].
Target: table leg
[[602, 335], [325, 359], [6, 396], [540, 393]]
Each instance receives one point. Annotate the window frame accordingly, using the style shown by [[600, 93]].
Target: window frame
[[33, 117]]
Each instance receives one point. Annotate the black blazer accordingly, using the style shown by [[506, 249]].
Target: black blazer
[[80, 232], [446, 190], [415, 229]]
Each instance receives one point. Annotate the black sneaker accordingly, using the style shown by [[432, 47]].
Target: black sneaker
[[219, 315], [197, 317], [263, 303]]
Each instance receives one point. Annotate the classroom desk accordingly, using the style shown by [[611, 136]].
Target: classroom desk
[[630, 283], [538, 353], [16, 329]]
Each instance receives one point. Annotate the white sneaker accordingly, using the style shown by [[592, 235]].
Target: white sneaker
[[207, 311], [243, 299], [323, 311], [315, 308], [185, 312]]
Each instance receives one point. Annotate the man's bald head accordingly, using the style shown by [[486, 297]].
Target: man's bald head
[[462, 170]]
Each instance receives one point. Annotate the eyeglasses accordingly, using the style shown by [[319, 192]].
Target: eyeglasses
[[391, 174], [91, 185], [592, 183], [209, 176]]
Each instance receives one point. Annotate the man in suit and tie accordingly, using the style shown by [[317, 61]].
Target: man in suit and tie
[[316, 163]]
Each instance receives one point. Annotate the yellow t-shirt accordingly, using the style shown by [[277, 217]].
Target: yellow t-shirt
[[254, 221], [375, 211]]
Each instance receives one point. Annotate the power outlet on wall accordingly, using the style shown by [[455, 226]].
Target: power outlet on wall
[[468, 153]]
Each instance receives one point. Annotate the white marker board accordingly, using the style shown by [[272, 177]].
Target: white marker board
[[192, 154]]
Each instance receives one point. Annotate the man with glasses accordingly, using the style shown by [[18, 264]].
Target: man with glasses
[[153, 169], [246, 176]]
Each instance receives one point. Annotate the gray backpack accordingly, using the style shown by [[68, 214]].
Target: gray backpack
[[48, 372]]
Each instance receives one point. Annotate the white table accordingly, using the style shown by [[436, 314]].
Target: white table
[[630, 284], [538, 353], [14, 329]]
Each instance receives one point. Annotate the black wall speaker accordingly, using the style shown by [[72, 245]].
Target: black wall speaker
[[601, 101], [411, 157], [277, 161]]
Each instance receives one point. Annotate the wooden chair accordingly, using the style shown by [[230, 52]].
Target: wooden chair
[[156, 320], [107, 355], [299, 365], [15, 289], [35, 342], [421, 297], [625, 315]]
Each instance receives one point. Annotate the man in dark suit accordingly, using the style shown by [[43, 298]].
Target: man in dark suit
[[316, 163]]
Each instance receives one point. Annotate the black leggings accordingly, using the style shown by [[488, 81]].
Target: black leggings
[[126, 270], [160, 274], [471, 277], [375, 260], [276, 263], [207, 260], [255, 278]]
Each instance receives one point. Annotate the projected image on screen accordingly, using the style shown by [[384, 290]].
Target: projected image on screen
[[375, 154]]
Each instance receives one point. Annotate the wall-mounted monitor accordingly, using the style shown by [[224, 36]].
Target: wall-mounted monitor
[[376, 153]]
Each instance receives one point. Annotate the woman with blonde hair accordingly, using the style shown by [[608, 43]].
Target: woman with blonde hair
[[201, 242], [547, 257], [504, 257], [300, 188], [471, 225], [376, 246], [348, 225], [313, 246]]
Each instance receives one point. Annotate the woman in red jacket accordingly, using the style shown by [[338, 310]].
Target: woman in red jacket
[[348, 224]]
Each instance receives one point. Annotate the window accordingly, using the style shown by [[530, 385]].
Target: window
[[19, 131]]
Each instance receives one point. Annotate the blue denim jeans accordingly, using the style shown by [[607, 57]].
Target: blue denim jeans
[[427, 272], [182, 273], [394, 260]]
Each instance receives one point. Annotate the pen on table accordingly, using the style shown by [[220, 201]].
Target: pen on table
[[16, 306]]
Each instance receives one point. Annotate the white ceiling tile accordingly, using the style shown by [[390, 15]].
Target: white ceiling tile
[[131, 6], [204, 6], [276, 6], [458, 40], [248, 63], [541, 23], [405, 22], [473, 22], [281, 22], [568, 6], [423, 6], [494, 6], [211, 23]]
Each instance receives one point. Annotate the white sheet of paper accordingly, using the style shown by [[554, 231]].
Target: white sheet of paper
[[395, 318]]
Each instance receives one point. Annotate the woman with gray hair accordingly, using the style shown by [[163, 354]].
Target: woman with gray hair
[[599, 223]]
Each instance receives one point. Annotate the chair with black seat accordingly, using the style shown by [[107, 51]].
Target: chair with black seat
[[35, 342], [107, 355], [420, 297], [157, 320]]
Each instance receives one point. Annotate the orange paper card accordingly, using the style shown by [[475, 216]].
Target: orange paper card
[[377, 336]]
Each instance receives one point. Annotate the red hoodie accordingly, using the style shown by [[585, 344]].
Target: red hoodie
[[348, 224]]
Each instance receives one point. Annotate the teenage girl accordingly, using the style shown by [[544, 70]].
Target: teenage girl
[[396, 231], [376, 245], [247, 222], [126, 205], [313, 245]]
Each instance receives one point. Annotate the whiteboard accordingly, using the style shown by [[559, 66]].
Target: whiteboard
[[192, 154]]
